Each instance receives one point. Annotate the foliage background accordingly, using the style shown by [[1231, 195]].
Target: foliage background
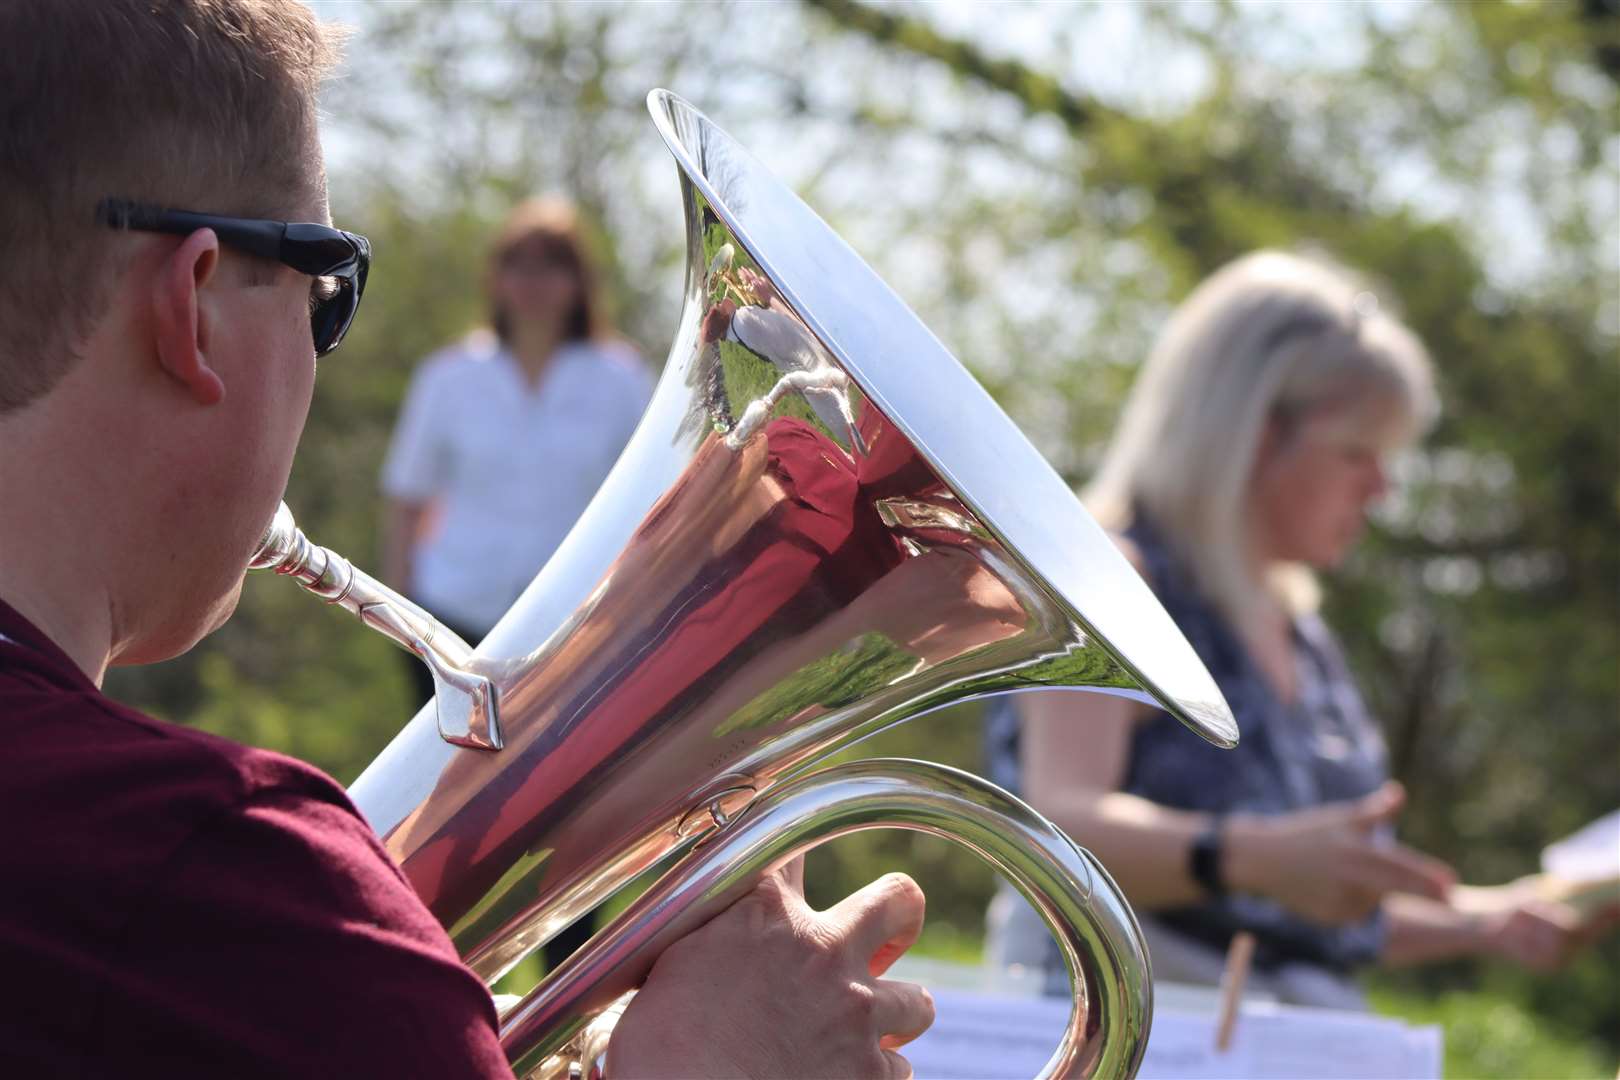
[[1042, 182]]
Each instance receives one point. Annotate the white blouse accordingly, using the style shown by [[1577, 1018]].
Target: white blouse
[[510, 466]]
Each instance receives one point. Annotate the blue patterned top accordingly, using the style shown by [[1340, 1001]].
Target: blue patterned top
[[1322, 748]]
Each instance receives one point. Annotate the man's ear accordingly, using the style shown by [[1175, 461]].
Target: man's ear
[[180, 327]]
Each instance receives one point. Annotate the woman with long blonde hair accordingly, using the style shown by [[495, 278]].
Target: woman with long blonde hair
[[1251, 448]]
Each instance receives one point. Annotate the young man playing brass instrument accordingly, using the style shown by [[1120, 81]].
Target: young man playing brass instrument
[[174, 904]]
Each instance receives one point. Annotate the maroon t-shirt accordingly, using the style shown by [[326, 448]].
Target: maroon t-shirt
[[175, 905]]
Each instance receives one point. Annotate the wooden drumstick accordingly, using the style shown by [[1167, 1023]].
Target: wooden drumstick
[[1236, 973]]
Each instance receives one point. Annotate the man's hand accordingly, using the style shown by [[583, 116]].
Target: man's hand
[[771, 988], [1329, 864]]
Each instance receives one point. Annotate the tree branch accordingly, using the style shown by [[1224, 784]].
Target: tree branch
[[1038, 91]]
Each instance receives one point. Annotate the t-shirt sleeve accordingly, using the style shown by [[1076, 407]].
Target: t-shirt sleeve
[[281, 941], [418, 463]]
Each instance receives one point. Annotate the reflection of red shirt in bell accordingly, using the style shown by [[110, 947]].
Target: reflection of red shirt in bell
[[820, 546], [892, 467], [178, 905], [828, 503]]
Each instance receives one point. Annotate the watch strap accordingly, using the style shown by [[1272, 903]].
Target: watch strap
[[1205, 857]]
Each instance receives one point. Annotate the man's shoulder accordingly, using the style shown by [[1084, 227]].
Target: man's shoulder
[[98, 799], [100, 770], [185, 900]]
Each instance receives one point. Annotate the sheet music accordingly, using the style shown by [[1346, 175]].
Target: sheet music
[[1182, 1045], [1322, 1044], [986, 1037]]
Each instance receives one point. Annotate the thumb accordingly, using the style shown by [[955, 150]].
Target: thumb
[[793, 873], [1379, 808], [881, 921]]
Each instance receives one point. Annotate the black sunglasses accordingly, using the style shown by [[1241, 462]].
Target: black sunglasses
[[318, 250]]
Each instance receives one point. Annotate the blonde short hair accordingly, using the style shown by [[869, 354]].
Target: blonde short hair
[[1271, 334]]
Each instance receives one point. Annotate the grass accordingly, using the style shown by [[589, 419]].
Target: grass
[[1489, 1037]]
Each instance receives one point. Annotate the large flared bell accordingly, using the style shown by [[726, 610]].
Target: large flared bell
[[822, 526]]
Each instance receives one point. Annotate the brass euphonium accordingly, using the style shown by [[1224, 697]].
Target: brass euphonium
[[823, 526]]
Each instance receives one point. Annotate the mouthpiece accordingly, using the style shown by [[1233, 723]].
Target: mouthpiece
[[279, 541]]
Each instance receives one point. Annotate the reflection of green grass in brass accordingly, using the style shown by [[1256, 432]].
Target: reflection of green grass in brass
[[1006, 665], [1081, 666], [717, 236], [748, 378], [499, 893], [833, 681], [856, 398]]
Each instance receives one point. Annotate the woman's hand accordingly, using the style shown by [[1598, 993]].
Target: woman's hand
[[1537, 935], [1329, 864], [1516, 923], [772, 988]]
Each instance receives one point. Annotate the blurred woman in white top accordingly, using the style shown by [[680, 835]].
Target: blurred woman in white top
[[506, 435]]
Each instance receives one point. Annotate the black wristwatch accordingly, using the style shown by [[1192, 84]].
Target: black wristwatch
[[1204, 858]]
